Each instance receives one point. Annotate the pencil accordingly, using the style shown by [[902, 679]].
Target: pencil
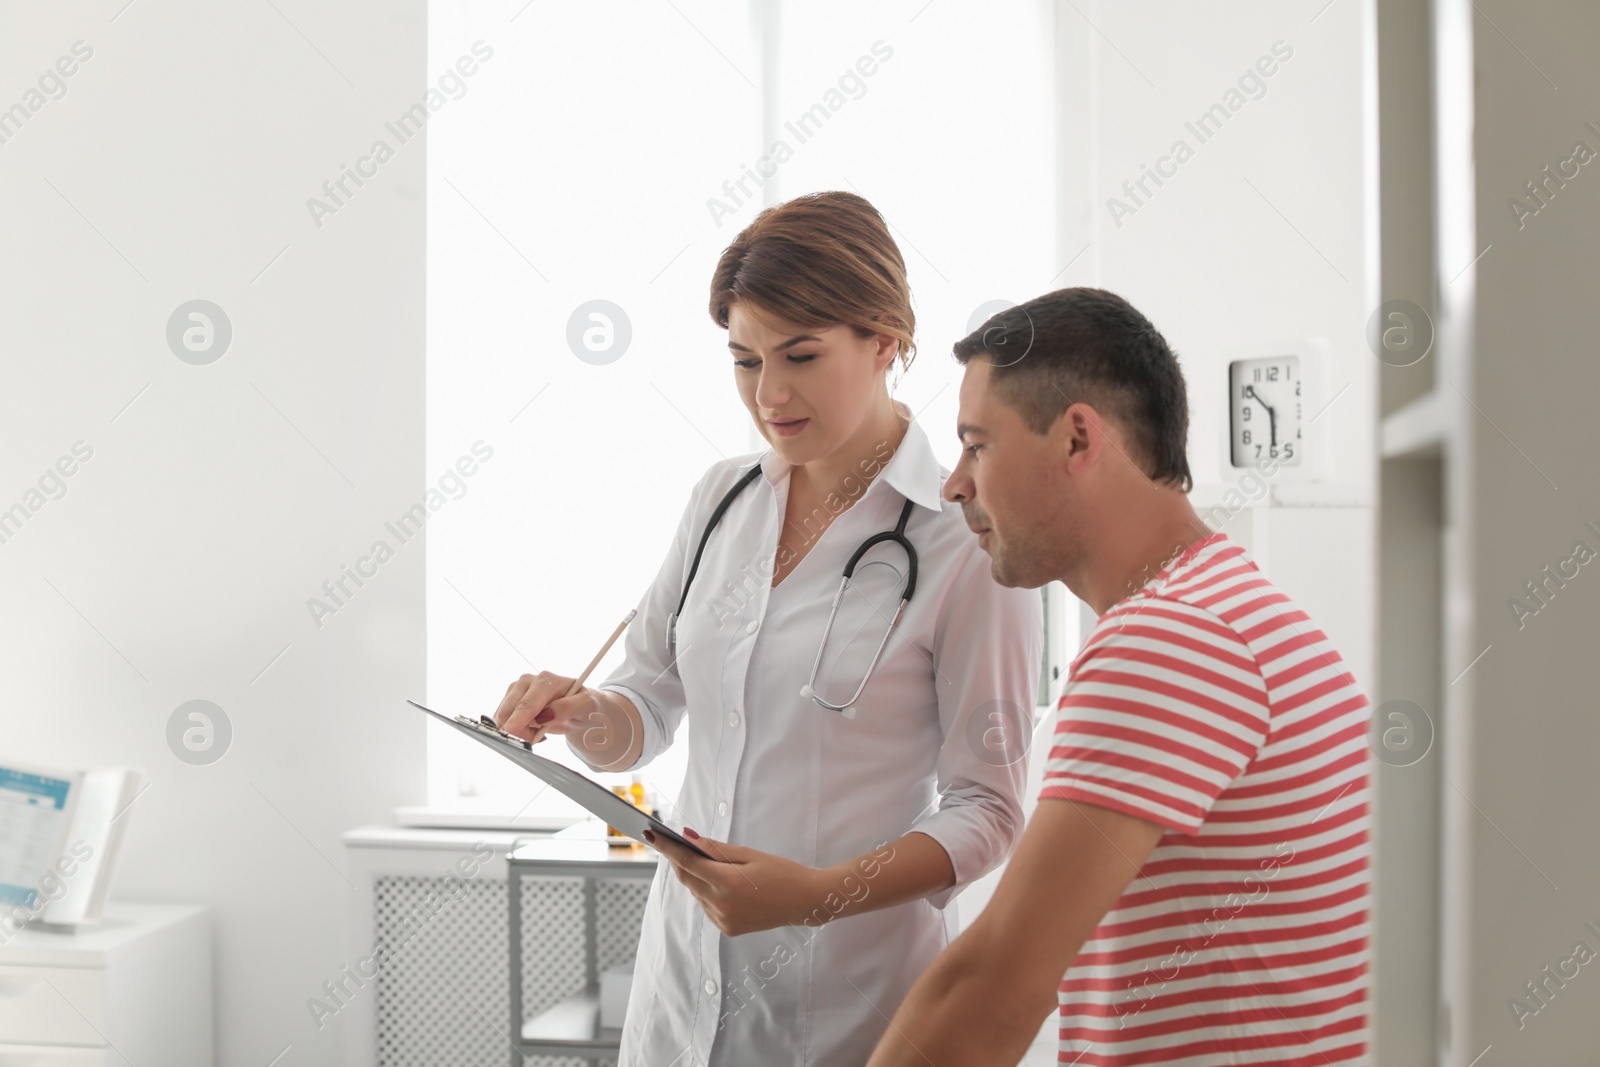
[[577, 683]]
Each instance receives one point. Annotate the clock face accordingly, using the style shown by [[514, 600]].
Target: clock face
[[1264, 411]]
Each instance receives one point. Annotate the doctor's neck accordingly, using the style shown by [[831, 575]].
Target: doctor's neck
[[861, 457]]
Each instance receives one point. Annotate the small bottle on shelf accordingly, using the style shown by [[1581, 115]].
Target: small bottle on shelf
[[613, 835]]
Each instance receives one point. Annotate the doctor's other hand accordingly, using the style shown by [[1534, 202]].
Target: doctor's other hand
[[603, 726], [744, 890]]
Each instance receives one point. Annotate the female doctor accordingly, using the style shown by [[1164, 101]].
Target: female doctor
[[849, 789]]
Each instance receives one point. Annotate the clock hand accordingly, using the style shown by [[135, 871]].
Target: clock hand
[[1272, 416]]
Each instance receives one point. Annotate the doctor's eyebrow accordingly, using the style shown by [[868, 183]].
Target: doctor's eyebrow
[[790, 343], [964, 428]]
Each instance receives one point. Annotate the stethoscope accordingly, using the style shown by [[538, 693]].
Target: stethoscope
[[897, 535]]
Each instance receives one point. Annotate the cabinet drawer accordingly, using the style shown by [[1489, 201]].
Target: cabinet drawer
[[48, 1056], [51, 1006]]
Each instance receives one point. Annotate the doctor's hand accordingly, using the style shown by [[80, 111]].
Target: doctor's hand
[[748, 890], [537, 704], [603, 725]]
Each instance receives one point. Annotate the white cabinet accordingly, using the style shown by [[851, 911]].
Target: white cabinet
[[130, 991]]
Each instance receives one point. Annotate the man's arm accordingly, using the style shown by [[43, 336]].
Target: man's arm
[[982, 1000]]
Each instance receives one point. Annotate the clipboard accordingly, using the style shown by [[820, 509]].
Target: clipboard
[[596, 798]]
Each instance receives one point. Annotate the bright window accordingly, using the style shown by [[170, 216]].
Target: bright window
[[598, 154]]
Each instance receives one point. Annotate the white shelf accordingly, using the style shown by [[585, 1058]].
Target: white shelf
[[1416, 430], [479, 813], [433, 839], [575, 1020]]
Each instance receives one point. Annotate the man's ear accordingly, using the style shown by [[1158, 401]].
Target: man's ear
[[1079, 434]]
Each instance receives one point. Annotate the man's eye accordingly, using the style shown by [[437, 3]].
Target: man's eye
[[973, 449]]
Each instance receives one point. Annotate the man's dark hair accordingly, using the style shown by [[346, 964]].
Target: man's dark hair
[[1090, 346]]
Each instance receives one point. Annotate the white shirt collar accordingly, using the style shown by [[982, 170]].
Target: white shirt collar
[[913, 471]]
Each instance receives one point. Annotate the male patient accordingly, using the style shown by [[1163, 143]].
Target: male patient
[[1193, 887]]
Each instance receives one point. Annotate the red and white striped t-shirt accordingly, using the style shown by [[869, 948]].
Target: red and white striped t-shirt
[[1209, 704]]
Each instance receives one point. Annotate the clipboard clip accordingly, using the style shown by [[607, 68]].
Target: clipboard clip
[[485, 725]]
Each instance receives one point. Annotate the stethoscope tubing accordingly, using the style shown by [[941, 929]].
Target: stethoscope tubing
[[897, 535]]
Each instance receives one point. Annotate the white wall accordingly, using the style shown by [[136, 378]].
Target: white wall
[[1267, 233], [218, 498]]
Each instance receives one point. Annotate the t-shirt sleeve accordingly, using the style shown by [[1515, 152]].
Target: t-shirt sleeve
[[1162, 710]]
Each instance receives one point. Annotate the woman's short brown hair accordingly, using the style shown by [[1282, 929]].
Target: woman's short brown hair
[[820, 260]]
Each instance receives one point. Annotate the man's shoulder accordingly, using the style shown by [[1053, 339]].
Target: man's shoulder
[[1214, 584], [1221, 594], [1192, 583]]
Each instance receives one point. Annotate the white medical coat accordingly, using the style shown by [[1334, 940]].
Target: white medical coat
[[936, 746]]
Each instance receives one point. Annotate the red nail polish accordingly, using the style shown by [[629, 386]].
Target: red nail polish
[[649, 835], [544, 716], [691, 833]]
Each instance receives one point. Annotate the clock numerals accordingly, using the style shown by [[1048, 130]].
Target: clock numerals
[[1265, 411]]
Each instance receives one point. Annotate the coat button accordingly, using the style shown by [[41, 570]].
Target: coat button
[[722, 809], [711, 988], [751, 628], [733, 718]]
